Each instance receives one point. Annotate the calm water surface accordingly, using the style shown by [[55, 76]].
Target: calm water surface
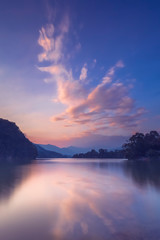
[[71, 199]]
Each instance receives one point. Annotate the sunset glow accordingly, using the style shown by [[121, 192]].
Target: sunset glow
[[68, 77]]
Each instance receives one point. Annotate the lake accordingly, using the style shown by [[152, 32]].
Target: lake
[[80, 199]]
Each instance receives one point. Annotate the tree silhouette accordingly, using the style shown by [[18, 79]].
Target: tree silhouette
[[140, 145]]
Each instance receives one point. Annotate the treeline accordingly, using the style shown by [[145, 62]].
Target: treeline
[[102, 153], [143, 146], [139, 146]]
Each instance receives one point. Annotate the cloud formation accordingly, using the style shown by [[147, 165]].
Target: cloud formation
[[52, 44], [83, 74], [106, 106]]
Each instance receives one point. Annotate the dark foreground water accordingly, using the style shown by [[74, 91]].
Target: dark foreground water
[[70, 199]]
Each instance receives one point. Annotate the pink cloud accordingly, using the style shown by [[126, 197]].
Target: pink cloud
[[52, 44], [83, 74], [69, 90], [106, 106]]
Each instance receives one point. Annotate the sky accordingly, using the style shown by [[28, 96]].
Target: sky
[[81, 73]]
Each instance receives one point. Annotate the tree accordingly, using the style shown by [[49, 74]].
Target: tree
[[152, 140], [140, 145], [135, 146]]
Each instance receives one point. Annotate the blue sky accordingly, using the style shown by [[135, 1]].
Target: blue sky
[[80, 73]]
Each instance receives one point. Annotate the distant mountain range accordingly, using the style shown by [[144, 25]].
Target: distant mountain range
[[68, 151], [43, 153]]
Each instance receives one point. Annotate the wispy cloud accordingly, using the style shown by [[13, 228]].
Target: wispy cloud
[[52, 43], [106, 106], [83, 74], [69, 91]]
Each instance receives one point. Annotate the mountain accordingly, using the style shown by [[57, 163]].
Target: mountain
[[43, 153], [14, 146], [69, 151]]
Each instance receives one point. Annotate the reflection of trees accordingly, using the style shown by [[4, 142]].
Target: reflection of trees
[[143, 173], [10, 177]]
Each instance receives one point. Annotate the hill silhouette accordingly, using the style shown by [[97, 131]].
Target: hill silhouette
[[67, 151], [43, 153], [14, 146]]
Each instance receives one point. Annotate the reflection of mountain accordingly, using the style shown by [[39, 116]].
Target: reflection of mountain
[[14, 146], [10, 177], [70, 151], [43, 153]]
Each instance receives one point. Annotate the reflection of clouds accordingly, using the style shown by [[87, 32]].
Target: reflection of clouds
[[91, 201], [72, 197], [72, 201]]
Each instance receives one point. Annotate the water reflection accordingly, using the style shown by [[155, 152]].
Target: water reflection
[[10, 177], [145, 174], [71, 199]]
